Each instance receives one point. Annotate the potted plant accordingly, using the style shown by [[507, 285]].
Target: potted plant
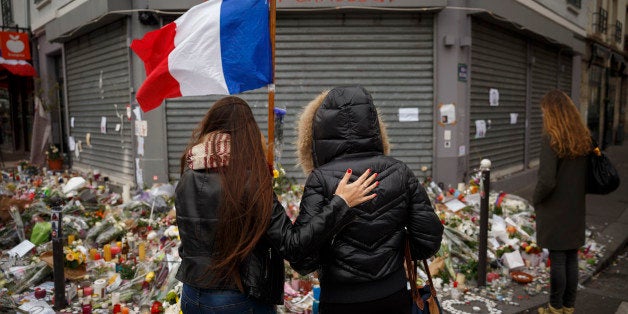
[[55, 160]]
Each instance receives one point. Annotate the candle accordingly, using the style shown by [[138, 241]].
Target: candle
[[70, 239], [92, 253], [115, 250], [87, 291], [107, 252], [115, 298], [142, 251]]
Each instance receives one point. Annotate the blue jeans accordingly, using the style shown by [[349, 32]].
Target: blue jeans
[[197, 300]]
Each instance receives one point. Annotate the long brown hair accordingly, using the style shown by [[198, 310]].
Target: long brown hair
[[246, 204], [569, 137]]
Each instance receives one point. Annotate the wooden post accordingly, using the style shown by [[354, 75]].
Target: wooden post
[[271, 87]]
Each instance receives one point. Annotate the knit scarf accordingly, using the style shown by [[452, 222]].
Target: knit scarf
[[203, 155]]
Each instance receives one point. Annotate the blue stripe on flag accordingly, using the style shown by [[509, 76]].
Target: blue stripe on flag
[[245, 44]]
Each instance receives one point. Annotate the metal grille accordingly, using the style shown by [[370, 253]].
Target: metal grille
[[600, 21], [498, 60], [391, 55], [544, 68], [97, 72]]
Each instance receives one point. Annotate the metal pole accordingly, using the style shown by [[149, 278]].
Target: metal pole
[[485, 185], [57, 253]]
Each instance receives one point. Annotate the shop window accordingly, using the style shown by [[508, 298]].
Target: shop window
[[7, 12]]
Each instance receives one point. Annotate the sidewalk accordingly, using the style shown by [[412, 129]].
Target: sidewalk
[[607, 217]]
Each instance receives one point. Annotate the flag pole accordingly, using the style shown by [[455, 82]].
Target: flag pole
[[271, 87]]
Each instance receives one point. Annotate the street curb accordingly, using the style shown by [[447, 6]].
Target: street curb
[[608, 258]]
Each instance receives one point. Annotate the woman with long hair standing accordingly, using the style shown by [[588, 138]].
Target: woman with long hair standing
[[559, 196], [234, 232]]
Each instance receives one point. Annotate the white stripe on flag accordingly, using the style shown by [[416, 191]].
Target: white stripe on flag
[[196, 61]]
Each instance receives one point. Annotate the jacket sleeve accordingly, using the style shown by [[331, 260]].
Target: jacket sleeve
[[296, 242], [313, 205], [425, 229], [546, 181]]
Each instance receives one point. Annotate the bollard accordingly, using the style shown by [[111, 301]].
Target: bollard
[[57, 253], [485, 185]]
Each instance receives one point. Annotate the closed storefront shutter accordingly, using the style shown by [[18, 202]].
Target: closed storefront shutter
[[544, 79], [97, 72], [391, 55], [498, 61], [565, 73]]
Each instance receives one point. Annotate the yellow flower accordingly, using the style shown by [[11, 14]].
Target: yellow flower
[[69, 257], [275, 173]]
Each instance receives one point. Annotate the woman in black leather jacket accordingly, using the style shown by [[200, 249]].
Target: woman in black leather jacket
[[234, 232], [361, 268]]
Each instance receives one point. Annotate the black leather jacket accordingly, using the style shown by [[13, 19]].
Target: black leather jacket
[[364, 261], [197, 197]]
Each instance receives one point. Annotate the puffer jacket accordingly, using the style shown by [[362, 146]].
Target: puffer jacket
[[339, 130], [197, 199]]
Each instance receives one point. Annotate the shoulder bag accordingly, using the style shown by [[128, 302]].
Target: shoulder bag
[[424, 299], [602, 177]]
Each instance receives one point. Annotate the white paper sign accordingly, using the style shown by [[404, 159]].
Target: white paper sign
[[462, 150], [408, 114], [72, 122], [493, 97], [448, 114], [21, 249], [513, 260], [37, 306], [138, 113], [103, 125], [455, 205], [513, 118], [140, 146], [117, 127], [71, 143], [139, 174], [480, 128], [141, 128]]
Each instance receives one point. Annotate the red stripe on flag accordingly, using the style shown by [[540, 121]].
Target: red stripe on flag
[[154, 50]]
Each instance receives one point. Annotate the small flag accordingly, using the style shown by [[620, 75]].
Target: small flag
[[217, 47]]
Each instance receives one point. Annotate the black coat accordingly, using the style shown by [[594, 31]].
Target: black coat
[[365, 260], [197, 197], [559, 200]]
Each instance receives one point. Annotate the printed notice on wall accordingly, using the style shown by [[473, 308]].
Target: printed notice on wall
[[103, 125], [513, 118], [493, 97], [408, 114], [480, 128], [447, 114]]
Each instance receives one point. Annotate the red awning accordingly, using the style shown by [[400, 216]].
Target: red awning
[[18, 67]]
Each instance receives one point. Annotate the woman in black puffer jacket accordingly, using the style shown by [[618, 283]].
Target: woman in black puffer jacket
[[361, 268]]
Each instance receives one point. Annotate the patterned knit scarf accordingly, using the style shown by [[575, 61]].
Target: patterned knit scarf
[[203, 156]]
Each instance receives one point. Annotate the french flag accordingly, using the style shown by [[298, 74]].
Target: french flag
[[217, 47]]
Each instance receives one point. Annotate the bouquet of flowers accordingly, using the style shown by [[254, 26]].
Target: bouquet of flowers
[[52, 153], [74, 258], [530, 248]]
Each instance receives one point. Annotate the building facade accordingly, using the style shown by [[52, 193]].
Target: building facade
[[16, 78], [455, 81]]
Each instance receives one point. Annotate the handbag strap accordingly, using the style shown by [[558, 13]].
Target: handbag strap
[[412, 275]]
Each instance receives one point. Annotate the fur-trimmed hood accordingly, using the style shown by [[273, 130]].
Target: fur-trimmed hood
[[340, 121]]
